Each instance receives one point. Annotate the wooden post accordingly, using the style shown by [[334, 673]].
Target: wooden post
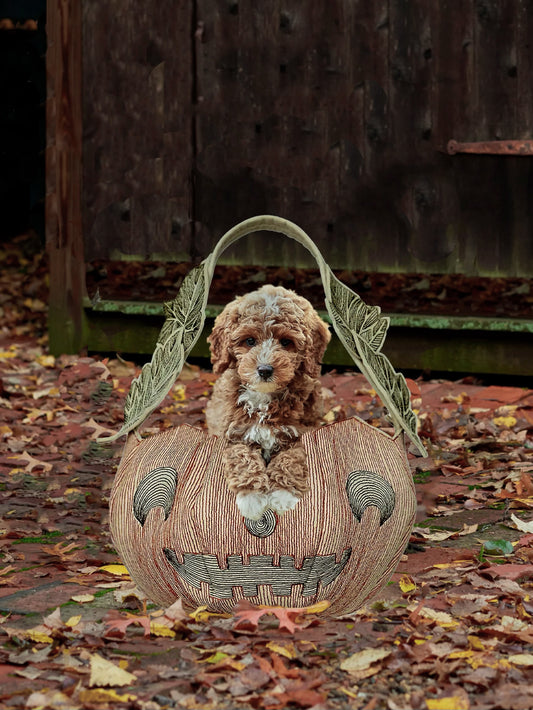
[[63, 176]]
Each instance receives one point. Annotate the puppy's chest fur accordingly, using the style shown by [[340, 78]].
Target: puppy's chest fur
[[255, 425]]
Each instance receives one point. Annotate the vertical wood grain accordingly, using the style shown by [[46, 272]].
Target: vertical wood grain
[[63, 175]]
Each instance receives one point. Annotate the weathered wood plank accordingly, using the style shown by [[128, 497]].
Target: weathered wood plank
[[493, 116], [63, 177], [137, 112]]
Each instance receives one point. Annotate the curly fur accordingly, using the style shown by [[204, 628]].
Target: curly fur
[[267, 348]]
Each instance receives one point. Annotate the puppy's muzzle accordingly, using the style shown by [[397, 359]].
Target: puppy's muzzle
[[265, 372]]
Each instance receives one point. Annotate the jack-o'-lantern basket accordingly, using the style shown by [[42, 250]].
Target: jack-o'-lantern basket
[[175, 523]]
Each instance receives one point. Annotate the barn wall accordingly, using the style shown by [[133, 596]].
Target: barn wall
[[335, 114], [137, 122]]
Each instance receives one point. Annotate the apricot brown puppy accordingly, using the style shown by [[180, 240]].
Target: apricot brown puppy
[[267, 348]]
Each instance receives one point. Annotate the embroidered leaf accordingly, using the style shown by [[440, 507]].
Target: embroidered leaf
[[185, 316], [362, 330]]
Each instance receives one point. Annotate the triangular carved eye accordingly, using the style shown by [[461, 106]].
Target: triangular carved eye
[[366, 489], [265, 526], [157, 489]]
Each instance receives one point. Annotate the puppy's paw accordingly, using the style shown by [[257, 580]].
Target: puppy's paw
[[281, 501], [252, 505]]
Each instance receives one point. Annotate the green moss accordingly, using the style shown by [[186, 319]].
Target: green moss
[[45, 538]]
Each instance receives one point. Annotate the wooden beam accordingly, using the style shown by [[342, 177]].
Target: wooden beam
[[460, 345], [64, 237]]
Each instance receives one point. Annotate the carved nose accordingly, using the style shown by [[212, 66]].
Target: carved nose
[[265, 371]]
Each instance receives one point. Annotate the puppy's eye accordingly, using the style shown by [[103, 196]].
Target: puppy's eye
[[286, 342], [250, 342]]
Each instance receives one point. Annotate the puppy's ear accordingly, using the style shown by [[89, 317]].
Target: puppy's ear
[[319, 337], [220, 342]]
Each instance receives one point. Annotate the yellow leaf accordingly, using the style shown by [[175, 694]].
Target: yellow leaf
[[362, 660], [220, 657], [287, 650], [118, 570], [161, 630], [440, 617], [38, 636], [317, 608], [454, 702], [103, 672], [349, 693], [73, 621], [7, 354], [201, 614], [476, 644], [98, 695], [521, 659], [505, 422], [407, 584], [179, 393], [461, 654], [455, 563], [46, 360]]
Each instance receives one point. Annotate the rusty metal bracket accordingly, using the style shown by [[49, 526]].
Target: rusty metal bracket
[[523, 147]]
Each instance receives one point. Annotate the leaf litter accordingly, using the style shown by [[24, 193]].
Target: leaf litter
[[452, 629]]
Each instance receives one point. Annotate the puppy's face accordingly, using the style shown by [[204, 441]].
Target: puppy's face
[[267, 358], [269, 336]]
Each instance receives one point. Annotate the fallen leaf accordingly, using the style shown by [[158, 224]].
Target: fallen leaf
[[51, 699], [287, 650], [120, 623], [32, 463], [521, 659], [505, 422], [406, 584], [176, 612], [244, 611], [82, 598], [99, 695], [118, 570], [73, 621], [161, 630], [98, 429], [521, 524], [362, 660], [105, 673], [441, 618], [38, 636], [452, 702], [202, 614]]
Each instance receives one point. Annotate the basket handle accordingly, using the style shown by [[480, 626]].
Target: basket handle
[[361, 328]]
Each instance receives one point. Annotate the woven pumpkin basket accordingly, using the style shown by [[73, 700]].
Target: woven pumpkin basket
[[175, 523]]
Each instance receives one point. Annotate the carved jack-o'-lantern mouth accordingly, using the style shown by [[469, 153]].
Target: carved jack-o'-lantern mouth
[[198, 568]]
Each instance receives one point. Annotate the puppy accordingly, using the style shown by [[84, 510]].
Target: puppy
[[267, 348]]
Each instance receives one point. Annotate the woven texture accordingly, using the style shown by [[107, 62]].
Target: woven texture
[[178, 530]]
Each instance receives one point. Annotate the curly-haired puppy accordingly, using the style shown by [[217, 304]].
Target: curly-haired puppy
[[267, 347]]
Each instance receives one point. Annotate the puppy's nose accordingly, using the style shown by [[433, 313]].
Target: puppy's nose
[[265, 371]]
